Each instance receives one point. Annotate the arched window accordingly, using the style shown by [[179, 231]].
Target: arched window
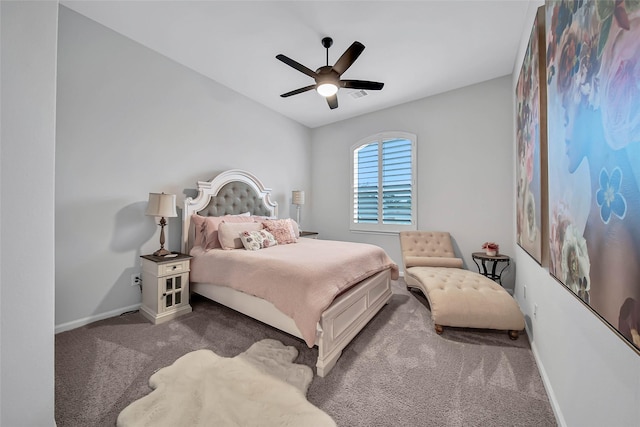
[[383, 190]]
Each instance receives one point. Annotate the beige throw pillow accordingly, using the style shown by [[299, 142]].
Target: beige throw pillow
[[229, 233]]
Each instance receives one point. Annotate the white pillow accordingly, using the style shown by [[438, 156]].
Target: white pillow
[[296, 229], [229, 233], [255, 240]]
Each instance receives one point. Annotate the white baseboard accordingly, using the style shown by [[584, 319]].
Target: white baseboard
[[547, 384], [85, 321]]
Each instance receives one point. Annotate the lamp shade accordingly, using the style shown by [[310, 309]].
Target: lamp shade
[[161, 204], [298, 197]]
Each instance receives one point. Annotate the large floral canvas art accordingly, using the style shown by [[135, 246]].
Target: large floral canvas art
[[593, 77], [531, 145]]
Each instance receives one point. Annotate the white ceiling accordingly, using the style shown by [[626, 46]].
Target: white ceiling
[[417, 48]]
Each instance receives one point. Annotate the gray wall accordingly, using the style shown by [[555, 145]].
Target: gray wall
[[464, 158], [592, 376], [130, 122], [28, 81]]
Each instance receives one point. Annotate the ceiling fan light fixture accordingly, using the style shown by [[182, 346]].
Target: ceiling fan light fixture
[[327, 89]]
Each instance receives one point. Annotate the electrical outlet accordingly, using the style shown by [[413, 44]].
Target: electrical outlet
[[135, 279], [535, 311]]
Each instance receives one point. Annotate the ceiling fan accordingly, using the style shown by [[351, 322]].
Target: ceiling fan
[[327, 77]]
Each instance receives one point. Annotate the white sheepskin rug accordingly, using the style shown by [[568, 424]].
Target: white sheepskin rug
[[260, 387]]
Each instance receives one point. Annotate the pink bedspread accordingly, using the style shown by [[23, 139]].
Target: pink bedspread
[[300, 279]]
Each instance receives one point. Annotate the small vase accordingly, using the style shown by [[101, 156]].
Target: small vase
[[491, 252]]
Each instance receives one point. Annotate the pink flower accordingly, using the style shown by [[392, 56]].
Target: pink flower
[[567, 62], [491, 246], [620, 80]]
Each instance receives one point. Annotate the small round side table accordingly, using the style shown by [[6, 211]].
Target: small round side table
[[493, 262]]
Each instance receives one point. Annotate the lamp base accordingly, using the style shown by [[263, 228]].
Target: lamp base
[[161, 252]]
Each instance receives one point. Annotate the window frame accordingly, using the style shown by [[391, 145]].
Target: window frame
[[379, 227]]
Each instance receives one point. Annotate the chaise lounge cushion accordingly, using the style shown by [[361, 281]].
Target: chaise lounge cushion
[[463, 298], [428, 249]]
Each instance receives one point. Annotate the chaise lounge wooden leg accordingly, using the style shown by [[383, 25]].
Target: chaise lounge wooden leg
[[439, 329], [513, 335]]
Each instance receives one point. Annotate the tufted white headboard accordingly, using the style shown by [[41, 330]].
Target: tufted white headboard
[[230, 193]]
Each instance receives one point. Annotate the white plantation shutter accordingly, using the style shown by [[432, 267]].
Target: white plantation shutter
[[383, 190], [366, 189], [396, 181]]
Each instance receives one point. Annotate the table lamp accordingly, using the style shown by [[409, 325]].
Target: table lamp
[[164, 206], [297, 197]]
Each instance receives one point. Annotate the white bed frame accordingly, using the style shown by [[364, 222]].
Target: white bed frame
[[339, 324]]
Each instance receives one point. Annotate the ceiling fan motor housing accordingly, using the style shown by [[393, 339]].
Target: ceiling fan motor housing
[[327, 74]]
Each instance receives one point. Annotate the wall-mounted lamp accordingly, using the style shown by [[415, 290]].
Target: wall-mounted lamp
[[164, 206], [297, 197]]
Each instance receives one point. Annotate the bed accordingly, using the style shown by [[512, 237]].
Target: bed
[[234, 278]]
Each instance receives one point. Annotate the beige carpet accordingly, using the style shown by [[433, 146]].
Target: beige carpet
[[260, 387]]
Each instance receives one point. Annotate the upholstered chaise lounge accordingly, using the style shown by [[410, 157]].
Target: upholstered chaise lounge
[[457, 297]]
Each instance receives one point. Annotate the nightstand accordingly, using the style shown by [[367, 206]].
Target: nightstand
[[493, 261], [165, 287], [309, 234]]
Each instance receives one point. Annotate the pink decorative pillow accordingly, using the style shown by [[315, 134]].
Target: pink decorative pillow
[[210, 228], [254, 240], [198, 228], [268, 240], [229, 233], [282, 230]]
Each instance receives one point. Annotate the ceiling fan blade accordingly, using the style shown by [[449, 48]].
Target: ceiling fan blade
[[332, 101], [297, 91], [290, 62], [348, 57], [361, 84]]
